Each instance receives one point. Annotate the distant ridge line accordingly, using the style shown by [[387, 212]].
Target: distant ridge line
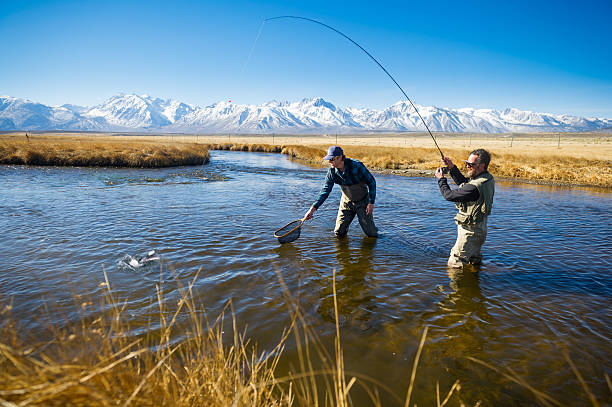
[[144, 113]]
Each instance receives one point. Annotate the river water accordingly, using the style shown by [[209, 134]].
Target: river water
[[545, 286]]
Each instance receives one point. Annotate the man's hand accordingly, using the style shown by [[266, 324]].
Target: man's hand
[[439, 173], [447, 161], [369, 209], [309, 214]]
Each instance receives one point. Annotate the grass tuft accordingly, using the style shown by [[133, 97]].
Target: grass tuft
[[93, 153]]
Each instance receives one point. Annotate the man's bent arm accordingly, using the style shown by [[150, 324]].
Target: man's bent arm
[[466, 193], [458, 176]]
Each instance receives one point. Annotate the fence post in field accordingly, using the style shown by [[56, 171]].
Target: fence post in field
[[559, 141], [512, 139], [470, 138]]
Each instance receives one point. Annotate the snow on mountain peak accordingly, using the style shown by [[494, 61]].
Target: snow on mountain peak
[[144, 112]]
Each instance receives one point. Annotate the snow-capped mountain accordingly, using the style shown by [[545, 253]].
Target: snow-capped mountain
[[139, 112], [129, 112], [21, 114]]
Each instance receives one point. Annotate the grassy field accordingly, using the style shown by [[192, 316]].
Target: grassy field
[[92, 152], [567, 159]]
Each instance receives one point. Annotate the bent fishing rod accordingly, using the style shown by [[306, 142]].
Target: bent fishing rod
[[374, 59]]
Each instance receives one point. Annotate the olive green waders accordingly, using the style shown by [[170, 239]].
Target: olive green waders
[[471, 223], [470, 239], [354, 202]]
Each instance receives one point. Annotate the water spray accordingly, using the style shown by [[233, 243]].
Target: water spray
[[368, 54]]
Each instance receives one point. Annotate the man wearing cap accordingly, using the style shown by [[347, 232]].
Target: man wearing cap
[[358, 193], [474, 200]]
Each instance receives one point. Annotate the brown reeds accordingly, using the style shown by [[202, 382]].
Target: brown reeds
[[93, 153], [183, 359], [582, 161], [528, 165], [98, 362]]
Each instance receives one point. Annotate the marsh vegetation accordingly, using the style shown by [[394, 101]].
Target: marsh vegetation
[[571, 159], [90, 152]]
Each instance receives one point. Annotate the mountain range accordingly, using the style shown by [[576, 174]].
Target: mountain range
[[131, 112]]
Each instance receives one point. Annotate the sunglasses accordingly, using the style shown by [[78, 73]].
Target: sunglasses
[[471, 165]]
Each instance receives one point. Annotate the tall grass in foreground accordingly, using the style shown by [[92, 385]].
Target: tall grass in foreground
[[185, 361], [98, 362], [88, 153]]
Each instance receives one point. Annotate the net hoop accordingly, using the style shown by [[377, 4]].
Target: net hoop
[[298, 225]]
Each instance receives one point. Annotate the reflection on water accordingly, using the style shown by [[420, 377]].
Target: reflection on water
[[545, 281], [356, 304]]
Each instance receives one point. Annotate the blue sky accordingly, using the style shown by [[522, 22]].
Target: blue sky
[[543, 56]]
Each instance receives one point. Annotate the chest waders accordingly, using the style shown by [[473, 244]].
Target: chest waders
[[356, 192], [472, 223], [354, 202]]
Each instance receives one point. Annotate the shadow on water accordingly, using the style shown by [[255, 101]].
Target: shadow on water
[[356, 304], [461, 313]]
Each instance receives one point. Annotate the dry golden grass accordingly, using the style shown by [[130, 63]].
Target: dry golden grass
[[526, 166], [570, 159], [94, 153], [185, 361], [96, 362]]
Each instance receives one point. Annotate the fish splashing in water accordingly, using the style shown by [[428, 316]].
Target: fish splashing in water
[[132, 263]]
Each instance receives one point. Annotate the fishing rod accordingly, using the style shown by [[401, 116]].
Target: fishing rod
[[374, 59]]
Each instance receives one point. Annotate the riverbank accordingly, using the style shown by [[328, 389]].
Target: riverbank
[[528, 165], [568, 159], [91, 152]]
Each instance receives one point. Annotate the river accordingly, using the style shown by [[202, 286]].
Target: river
[[545, 285]]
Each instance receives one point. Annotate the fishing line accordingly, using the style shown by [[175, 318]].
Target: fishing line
[[368, 54], [252, 48]]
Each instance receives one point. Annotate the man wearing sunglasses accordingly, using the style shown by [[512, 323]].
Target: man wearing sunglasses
[[358, 193], [474, 200]]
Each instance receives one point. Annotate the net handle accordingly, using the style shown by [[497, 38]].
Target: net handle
[[286, 233]]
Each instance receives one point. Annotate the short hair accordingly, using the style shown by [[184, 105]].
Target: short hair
[[483, 156]]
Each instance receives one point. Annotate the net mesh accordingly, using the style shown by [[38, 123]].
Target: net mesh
[[289, 232]]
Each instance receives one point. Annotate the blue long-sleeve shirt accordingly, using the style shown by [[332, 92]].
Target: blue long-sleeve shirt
[[354, 173]]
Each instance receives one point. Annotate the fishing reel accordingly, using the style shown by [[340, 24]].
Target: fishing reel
[[445, 170]]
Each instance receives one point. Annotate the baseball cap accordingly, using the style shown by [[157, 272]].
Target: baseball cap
[[334, 151]]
